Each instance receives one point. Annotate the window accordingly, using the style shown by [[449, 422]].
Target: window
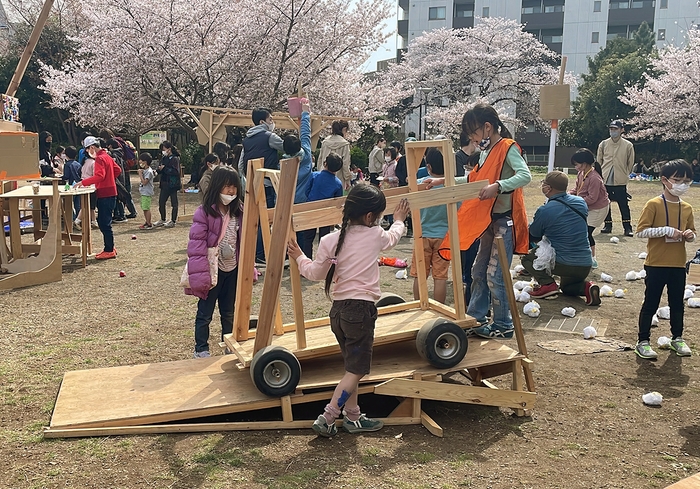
[[661, 36], [464, 10], [595, 37], [664, 4], [550, 9], [596, 6], [436, 13], [485, 12]]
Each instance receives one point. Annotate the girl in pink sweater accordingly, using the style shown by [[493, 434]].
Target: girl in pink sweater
[[591, 188], [348, 260]]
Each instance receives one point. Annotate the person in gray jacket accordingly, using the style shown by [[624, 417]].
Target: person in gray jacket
[[616, 159], [336, 143]]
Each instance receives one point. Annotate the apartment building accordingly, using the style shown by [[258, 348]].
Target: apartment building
[[574, 28]]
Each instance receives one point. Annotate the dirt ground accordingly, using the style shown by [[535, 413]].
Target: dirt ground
[[589, 428]]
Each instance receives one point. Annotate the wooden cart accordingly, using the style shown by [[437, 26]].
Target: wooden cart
[[273, 350]]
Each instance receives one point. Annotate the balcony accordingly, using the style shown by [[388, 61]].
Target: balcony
[[462, 22], [403, 28]]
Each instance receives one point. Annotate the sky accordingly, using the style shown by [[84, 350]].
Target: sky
[[388, 49]]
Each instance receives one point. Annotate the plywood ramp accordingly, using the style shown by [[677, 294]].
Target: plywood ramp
[[186, 389]]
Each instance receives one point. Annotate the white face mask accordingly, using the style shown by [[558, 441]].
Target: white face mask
[[387, 159], [165, 153], [270, 126], [213, 167], [678, 189], [226, 199]]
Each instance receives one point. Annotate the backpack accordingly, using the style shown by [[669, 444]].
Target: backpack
[[129, 151]]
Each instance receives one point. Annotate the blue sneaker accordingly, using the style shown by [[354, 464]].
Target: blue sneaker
[[322, 428], [492, 331]]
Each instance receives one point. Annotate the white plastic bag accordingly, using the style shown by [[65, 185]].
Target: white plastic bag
[[619, 293], [641, 274], [655, 320], [605, 277], [664, 342], [545, 256], [632, 275], [694, 302], [642, 255], [606, 291], [652, 399], [520, 284], [522, 297], [664, 312], [532, 309], [518, 268], [691, 287], [614, 240], [589, 333], [569, 311], [687, 294]]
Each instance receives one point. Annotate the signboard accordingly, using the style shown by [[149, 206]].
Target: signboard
[[152, 140], [555, 102]]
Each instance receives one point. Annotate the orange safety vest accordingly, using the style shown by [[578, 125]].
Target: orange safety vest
[[474, 216]]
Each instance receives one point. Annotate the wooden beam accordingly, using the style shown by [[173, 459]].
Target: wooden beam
[[431, 425], [278, 248], [456, 393]]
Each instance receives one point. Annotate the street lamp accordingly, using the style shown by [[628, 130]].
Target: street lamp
[[424, 91]]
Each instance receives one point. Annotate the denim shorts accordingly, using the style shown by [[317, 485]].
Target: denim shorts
[[352, 322]]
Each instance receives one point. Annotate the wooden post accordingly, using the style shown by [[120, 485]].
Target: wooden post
[[29, 48], [414, 155], [508, 284], [275, 259]]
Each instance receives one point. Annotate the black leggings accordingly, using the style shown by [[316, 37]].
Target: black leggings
[[165, 194], [591, 241]]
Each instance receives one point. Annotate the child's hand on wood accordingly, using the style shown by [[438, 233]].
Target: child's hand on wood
[[401, 210], [293, 249]]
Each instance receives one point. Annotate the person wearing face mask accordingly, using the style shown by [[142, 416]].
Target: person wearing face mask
[[146, 191], [216, 225], [616, 158], [563, 221], [211, 163], [170, 183], [338, 144], [499, 210], [667, 222], [106, 171], [261, 142]]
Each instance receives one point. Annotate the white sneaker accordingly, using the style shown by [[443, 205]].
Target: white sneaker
[[202, 354], [169, 224], [159, 223], [95, 225], [76, 225]]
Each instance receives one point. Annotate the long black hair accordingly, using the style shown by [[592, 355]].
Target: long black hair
[[480, 114], [361, 200], [585, 156], [221, 177]]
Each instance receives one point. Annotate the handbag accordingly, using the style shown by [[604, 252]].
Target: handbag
[[212, 259]]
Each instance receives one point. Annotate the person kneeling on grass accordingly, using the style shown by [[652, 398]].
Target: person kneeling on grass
[[667, 221], [563, 221]]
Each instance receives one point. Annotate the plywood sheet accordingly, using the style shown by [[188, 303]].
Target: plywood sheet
[[186, 389]]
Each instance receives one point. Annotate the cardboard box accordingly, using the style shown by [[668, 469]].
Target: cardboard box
[[19, 155], [555, 102]]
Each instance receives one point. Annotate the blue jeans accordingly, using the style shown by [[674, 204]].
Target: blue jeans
[[105, 207], [225, 294], [468, 257], [488, 279], [271, 199]]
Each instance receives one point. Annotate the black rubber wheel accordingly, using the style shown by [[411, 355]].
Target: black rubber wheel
[[442, 343], [389, 299], [275, 371]]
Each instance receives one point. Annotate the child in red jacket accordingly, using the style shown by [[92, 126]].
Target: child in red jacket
[[106, 170]]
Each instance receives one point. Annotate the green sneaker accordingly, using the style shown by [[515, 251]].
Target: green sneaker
[[680, 347], [644, 350], [362, 424], [322, 428]]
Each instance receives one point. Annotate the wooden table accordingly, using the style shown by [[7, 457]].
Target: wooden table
[[73, 243]]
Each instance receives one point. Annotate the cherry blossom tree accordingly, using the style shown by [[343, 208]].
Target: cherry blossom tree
[[666, 107], [496, 61], [138, 58]]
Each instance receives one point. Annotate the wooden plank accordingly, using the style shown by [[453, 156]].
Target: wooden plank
[[692, 482], [693, 274], [389, 328], [517, 384], [456, 393], [258, 182], [328, 216], [431, 425], [413, 159], [244, 287], [275, 259], [286, 403], [187, 389], [417, 410], [405, 408]]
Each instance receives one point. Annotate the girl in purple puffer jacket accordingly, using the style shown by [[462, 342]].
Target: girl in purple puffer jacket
[[217, 220]]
